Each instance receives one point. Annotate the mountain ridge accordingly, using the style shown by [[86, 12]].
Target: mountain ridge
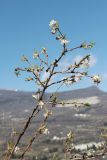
[[89, 87], [16, 101]]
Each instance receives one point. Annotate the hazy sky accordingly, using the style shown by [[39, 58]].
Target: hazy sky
[[24, 25]]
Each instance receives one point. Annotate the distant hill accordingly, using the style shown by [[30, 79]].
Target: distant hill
[[18, 100], [80, 93], [15, 106]]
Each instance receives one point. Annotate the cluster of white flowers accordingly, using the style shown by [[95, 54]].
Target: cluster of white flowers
[[46, 131], [17, 149], [54, 26], [88, 46], [78, 77], [67, 82], [70, 135], [64, 41], [41, 104], [47, 114], [96, 79], [37, 97], [37, 69], [36, 55], [44, 50], [43, 130], [86, 63], [74, 79]]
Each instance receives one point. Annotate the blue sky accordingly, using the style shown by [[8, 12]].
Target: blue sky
[[24, 25]]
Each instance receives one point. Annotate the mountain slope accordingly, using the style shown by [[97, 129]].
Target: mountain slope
[[86, 123]]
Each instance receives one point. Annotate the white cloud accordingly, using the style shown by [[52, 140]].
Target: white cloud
[[77, 59], [64, 63], [45, 75], [92, 62]]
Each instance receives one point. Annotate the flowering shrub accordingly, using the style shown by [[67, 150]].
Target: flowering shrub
[[73, 73]]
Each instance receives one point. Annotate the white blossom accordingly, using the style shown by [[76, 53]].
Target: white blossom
[[85, 63], [41, 104], [77, 79], [68, 82], [35, 55], [96, 79], [54, 26], [70, 135], [47, 113], [36, 96], [17, 149], [87, 46], [44, 50], [46, 131], [64, 41], [53, 31], [90, 62]]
